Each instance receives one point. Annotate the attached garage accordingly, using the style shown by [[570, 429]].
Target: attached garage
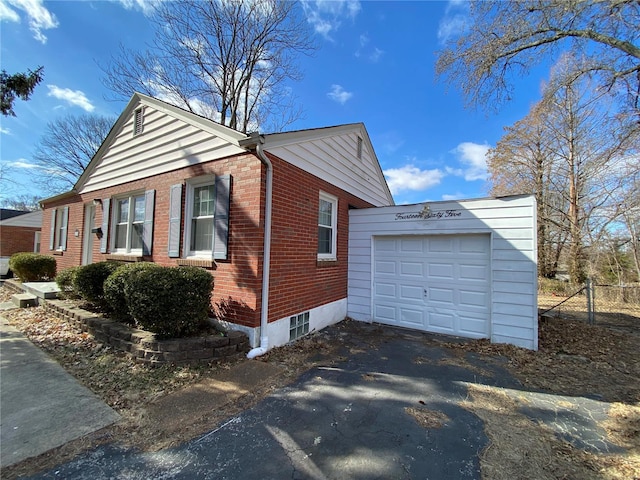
[[465, 268]]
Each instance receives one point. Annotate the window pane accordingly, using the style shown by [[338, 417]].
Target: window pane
[[123, 211], [121, 236], [203, 201], [136, 236], [324, 217], [324, 240], [201, 234], [138, 209]]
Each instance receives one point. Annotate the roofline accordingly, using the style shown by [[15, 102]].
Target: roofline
[[60, 196]]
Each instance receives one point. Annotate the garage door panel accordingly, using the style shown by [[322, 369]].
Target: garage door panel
[[412, 269], [441, 270], [442, 321], [411, 293], [385, 267], [440, 245], [412, 317], [441, 295], [385, 313], [386, 290], [471, 244], [411, 245], [385, 245]]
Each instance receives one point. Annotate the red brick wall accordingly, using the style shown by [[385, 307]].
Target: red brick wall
[[16, 239], [299, 281], [237, 281]]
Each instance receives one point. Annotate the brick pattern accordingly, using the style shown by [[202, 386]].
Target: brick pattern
[[16, 239], [298, 281], [144, 347]]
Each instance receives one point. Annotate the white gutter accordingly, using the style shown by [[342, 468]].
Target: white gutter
[[264, 311]]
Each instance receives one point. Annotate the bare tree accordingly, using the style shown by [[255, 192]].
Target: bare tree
[[227, 60], [22, 202], [573, 153], [66, 148], [506, 38], [522, 162]]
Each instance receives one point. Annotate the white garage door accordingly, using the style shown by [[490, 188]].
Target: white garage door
[[435, 283]]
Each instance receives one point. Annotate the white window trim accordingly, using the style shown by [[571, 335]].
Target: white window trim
[[191, 185], [114, 223], [333, 255], [37, 246], [60, 229]]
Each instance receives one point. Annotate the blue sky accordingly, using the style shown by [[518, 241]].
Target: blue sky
[[375, 64]]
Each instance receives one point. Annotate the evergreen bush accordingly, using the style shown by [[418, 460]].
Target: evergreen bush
[[171, 302], [114, 288], [88, 282], [33, 267]]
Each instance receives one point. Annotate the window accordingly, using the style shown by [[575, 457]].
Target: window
[[58, 231], [129, 224], [36, 242], [138, 121], [298, 326], [206, 217], [327, 222]]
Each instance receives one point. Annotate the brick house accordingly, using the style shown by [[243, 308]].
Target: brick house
[[268, 215], [19, 232]]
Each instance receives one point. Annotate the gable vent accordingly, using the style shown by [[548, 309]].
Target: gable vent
[[138, 121]]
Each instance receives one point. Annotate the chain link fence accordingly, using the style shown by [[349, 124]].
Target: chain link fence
[[613, 306]]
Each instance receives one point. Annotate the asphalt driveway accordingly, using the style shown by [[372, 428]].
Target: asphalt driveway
[[390, 412]]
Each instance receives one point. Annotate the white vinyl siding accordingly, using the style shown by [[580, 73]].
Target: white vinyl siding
[[327, 226], [511, 224], [333, 158], [161, 149]]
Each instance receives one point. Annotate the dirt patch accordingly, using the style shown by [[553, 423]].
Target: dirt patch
[[521, 448], [427, 418]]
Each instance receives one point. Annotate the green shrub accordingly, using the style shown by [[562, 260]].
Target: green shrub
[[114, 288], [88, 282], [65, 279], [171, 302], [33, 267]]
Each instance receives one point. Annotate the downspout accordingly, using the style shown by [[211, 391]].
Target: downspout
[[264, 311]]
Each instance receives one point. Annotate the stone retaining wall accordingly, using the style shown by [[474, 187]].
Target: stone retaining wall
[[145, 347]]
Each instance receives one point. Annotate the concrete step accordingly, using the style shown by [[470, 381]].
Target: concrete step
[[23, 300]]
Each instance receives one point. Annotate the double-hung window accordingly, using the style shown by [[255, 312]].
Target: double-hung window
[[327, 226], [206, 214], [202, 211], [59, 227], [129, 223]]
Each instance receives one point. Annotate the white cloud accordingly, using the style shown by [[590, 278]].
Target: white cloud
[[411, 177], [372, 54], [74, 97], [454, 22], [39, 17], [473, 157], [339, 94], [23, 163], [5, 131], [145, 6], [453, 196], [326, 16]]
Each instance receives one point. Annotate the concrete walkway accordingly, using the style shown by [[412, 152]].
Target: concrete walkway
[[41, 405]]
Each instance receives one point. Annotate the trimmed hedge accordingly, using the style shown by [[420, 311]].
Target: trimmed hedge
[[33, 267], [114, 288], [65, 279], [88, 282], [171, 302]]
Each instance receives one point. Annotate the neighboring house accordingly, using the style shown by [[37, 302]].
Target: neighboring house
[[268, 215], [19, 232]]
